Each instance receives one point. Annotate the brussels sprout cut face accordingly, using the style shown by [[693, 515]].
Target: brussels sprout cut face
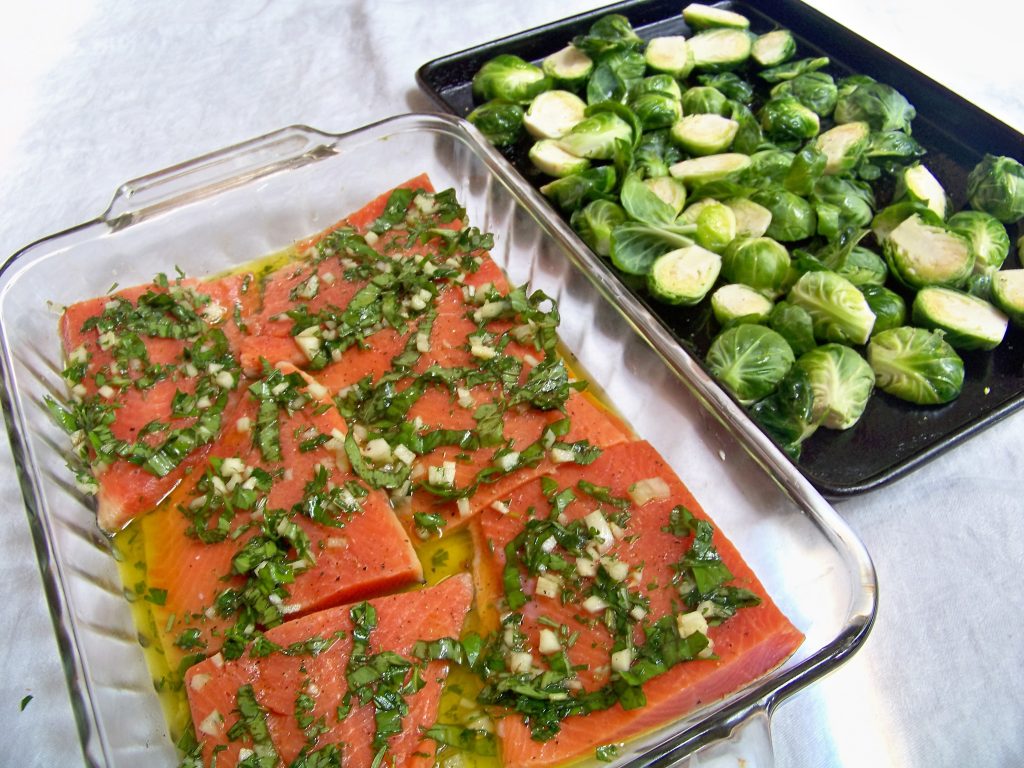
[[750, 360], [916, 365], [918, 183], [569, 67], [701, 16], [671, 55], [842, 382], [1008, 293], [704, 134], [684, 276], [553, 114], [843, 146], [922, 255], [967, 321], [701, 170], [716, 50], [773, 48], [752, 220], [551, 159], [736, 301]]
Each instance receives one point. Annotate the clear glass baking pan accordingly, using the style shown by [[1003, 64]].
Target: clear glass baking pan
[[261, 196]]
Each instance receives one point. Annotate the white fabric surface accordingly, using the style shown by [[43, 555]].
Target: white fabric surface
[[96, 92]]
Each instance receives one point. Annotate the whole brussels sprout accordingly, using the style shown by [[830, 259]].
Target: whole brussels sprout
[[889, 307], [793, 218], [916, 365], [771, 166], [839, 310], [787, 413], [656, 110], [750, 360], [996, 186], [787, 122], [705, 100], [659, 84], [795, 325], [815, 90], [511, 78], [760, 263], [596, 136], [988, 238], [842, 382], [500, 121]]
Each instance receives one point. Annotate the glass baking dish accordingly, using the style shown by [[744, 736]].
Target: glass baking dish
[[258, 197]]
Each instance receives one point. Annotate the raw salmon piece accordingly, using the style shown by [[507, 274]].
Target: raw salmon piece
[[403, 619], [748, 645], [524, 426], [371, 554], [126, 489]]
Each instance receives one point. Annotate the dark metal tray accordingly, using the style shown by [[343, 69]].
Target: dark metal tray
[[893, 437]]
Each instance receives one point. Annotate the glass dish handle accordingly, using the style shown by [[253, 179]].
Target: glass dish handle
[[749, 744], [206, 175]]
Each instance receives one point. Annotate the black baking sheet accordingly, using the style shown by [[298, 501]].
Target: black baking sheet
[[893, 437]]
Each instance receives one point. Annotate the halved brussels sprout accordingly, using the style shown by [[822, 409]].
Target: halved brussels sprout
[[569, 67], [510, 78], [793, 218], [1008, 293], [787, 122], [671, 55], [716, 226], [750, 360], [916, 365], [996, 186], [773, 48], [842, 382], [596, 136], [752, 220], [889, 307], [655, 153], [815, 90], [553, 114], [549, 157], [987, 235], [732, 302], [500, 121], [760, 263], [890, 217], [574, 191], [749, 136], [702, 170], [656, 110], [879, 105], [786, 414], [920, 254], [838, 309], [704, 134], [669, 191], [594, 224], [700, 16], [843, 146], [917, 183], [705, 100], [715, 50], [967, 321], [684, 276], [795, 325], [694, 209]]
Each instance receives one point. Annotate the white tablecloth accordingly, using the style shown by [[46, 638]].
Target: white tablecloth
[[96, 92]]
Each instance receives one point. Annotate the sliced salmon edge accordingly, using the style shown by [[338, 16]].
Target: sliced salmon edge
[[434, 612]]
